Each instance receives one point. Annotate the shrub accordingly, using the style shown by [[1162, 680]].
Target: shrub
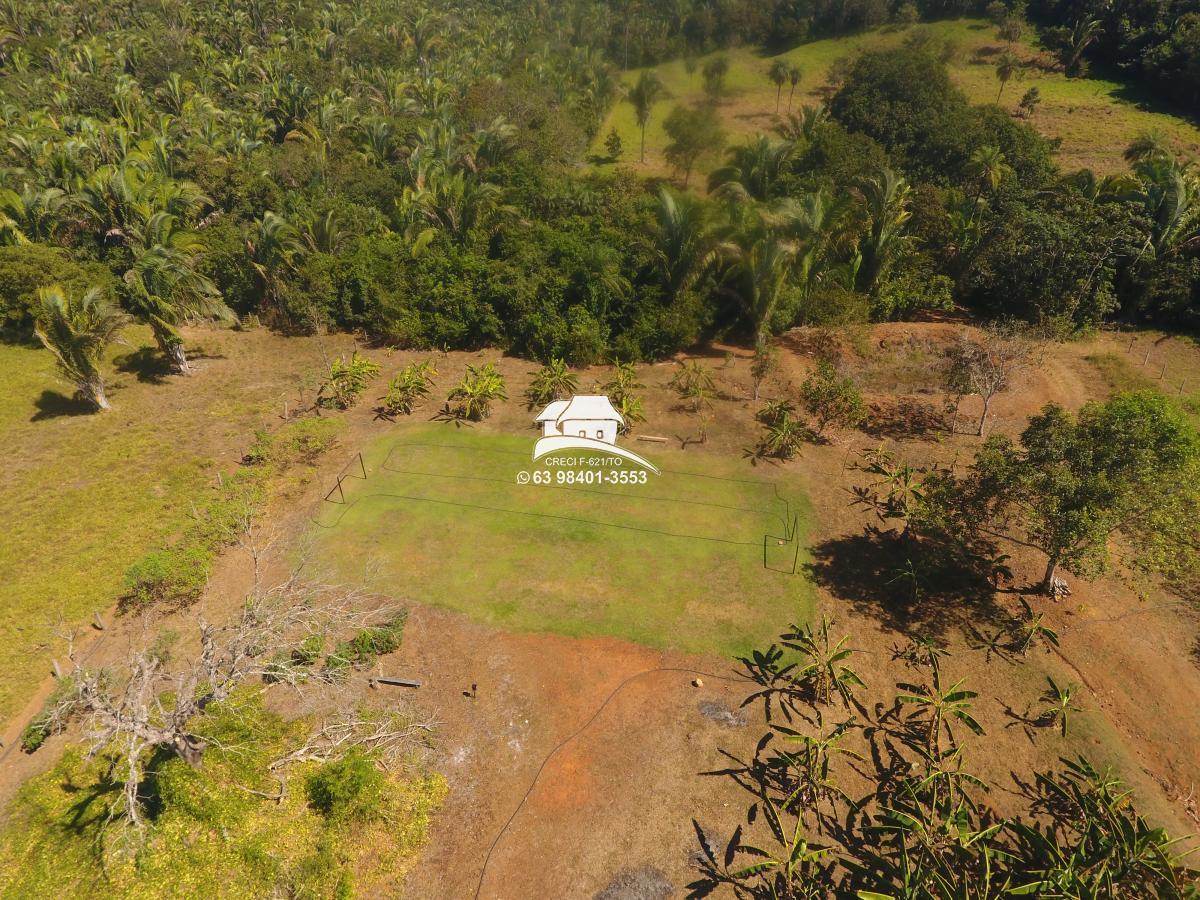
[[348, 378], [474, 395], [300, 442], [361, 650], [409, 387], [173, 575], [35, 733], [551, 382], [832, 399], [347, 789]]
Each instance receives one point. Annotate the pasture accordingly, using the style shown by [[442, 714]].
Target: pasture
[[1094, 118], [677, 562]]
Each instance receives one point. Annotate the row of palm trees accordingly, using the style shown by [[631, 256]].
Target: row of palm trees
[[111, 183], [763, 251]]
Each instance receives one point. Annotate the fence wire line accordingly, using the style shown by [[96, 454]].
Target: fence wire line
[[787, 517]]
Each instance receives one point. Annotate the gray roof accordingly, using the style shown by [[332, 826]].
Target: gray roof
[[552, 412], [591, 407]]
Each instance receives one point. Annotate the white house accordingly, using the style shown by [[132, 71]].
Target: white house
[[589, 416]]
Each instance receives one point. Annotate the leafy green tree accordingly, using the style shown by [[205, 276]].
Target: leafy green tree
[[832, 399], [613, 146], [695, 132], [764, 364], [1125, 467], [714, 73], [77, 329]]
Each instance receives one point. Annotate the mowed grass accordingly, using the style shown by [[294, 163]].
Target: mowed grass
[[85, 495], [1095, 119], [675, 563]]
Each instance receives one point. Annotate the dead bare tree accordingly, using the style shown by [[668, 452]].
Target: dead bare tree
[[128, 714], [989, 364]]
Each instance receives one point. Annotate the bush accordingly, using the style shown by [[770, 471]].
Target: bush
[[832, 399], [174, 575], [348, 378], [347, 789], [407, 389], [300, 442], [363, 649], [28, 267], [35, 733]]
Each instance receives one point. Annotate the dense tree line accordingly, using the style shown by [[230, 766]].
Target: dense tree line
[[1155, 43], [408, 169]]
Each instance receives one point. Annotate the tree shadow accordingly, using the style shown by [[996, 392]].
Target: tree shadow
[[915, 586], [53, 405], [145, 363], [905, 418]]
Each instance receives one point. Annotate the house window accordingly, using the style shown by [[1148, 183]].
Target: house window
[[582, 433], [599, 434]]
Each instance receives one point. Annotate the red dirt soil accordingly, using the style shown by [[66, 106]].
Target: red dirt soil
[[576, 759]]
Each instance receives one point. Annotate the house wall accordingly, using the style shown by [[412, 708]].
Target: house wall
[[597, 429]]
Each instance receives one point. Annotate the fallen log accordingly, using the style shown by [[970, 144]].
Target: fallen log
[[398, 682], [651, 437]]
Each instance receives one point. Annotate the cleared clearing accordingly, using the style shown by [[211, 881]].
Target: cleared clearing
[[676, 562]]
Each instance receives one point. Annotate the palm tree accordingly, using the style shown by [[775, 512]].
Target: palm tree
[[77, 330], [758, 263], [1170, 199], [1150, 143], [795, 73], [887, 198], [643, 95], [34, 214], [273, 247], [754, 170], [1007, 67], [680, 241], [778, 74], [988, 168], [164, 290], [802, 126]]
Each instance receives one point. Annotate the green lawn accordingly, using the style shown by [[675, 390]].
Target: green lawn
[[1094, 118], [677, 562]]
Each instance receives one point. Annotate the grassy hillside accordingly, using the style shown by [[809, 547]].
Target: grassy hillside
[[1095, 118], [86, 495]]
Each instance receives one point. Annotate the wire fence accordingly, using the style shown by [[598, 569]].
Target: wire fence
[[1149, 361], [778, 507]]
